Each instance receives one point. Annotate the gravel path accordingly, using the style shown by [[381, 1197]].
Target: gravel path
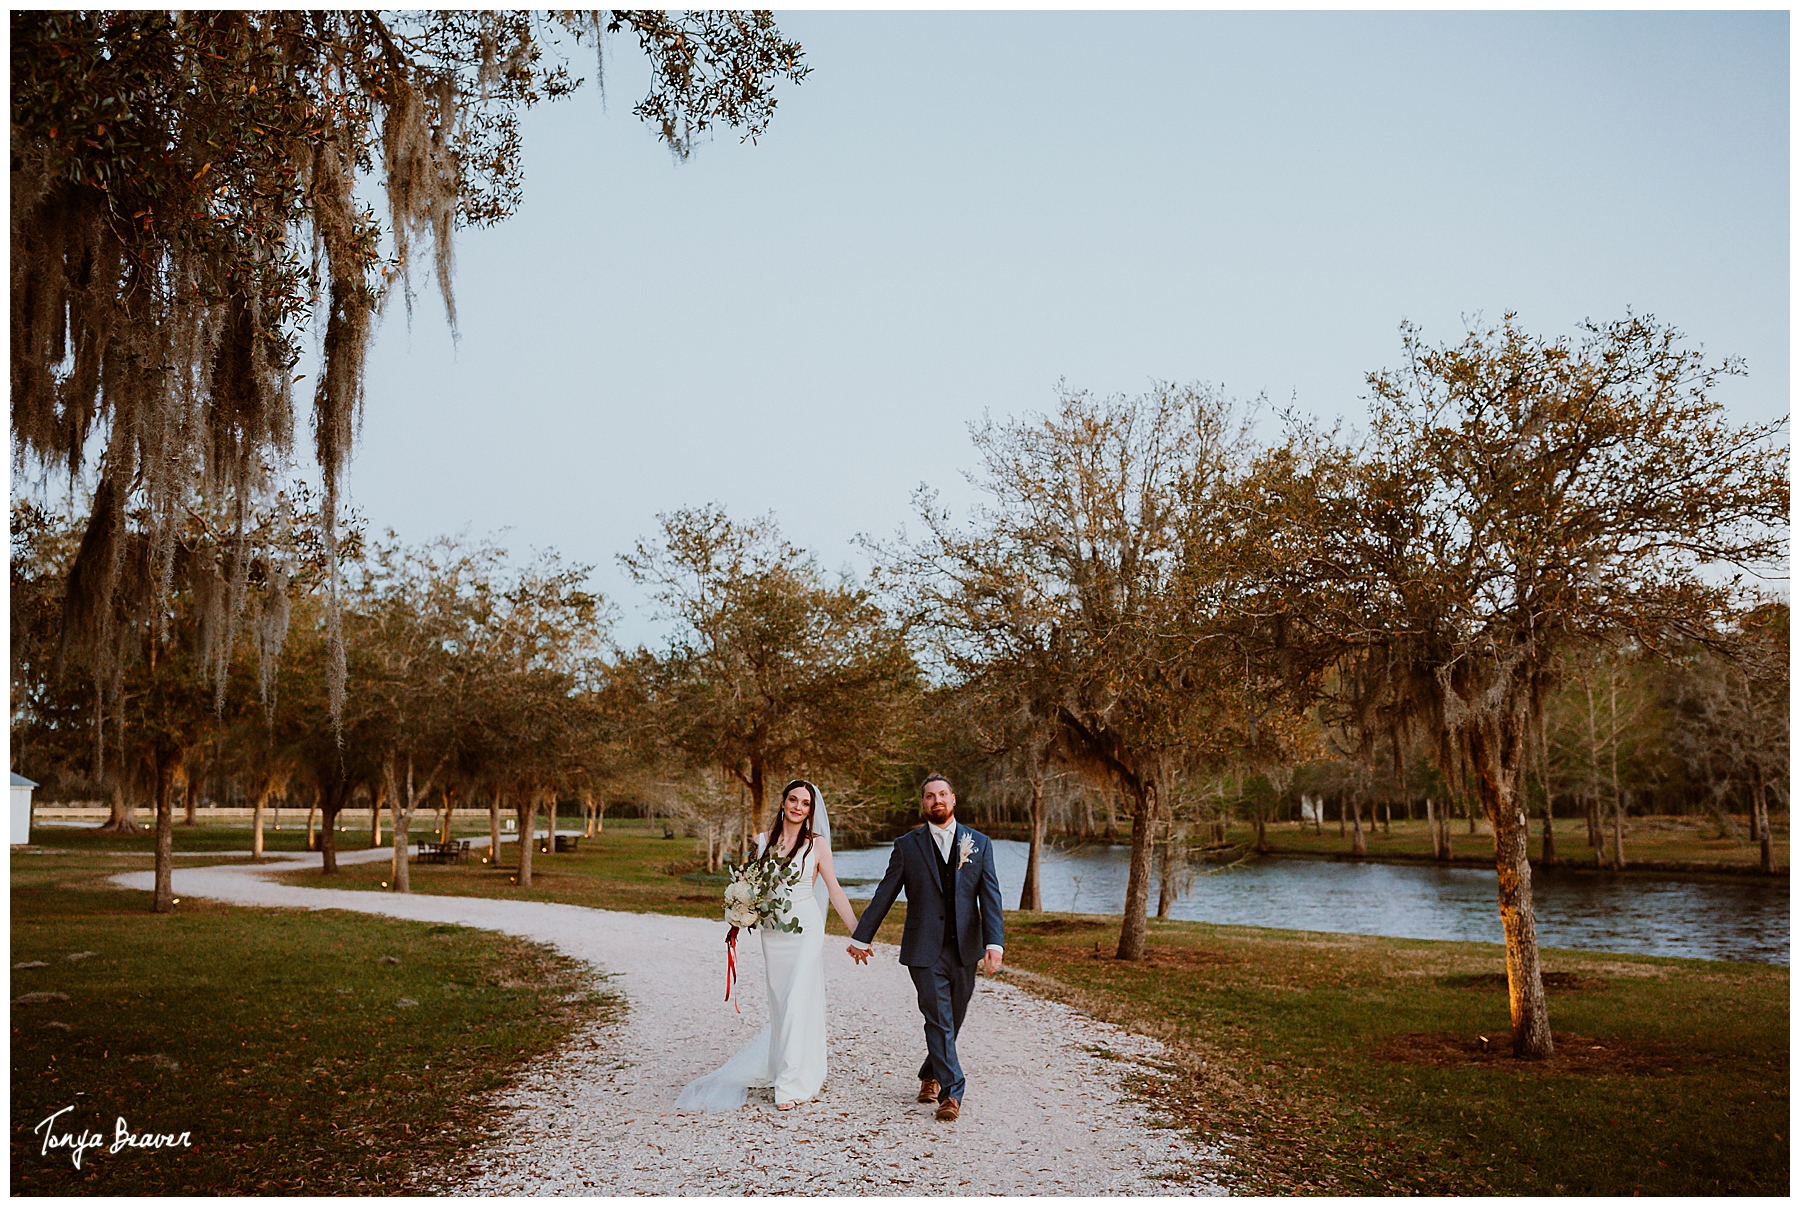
[[1044, 1113]]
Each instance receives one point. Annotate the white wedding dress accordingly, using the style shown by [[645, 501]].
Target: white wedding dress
[[789, 1053]]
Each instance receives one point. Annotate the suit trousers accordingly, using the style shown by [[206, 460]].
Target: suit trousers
[[944, 991]]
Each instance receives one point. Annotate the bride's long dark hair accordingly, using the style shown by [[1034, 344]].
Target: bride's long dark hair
[[806, 830]]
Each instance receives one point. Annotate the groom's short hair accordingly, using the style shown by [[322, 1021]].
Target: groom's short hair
[[942, 779]]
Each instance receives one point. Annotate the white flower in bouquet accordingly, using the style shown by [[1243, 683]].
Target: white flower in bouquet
[[740, 904]]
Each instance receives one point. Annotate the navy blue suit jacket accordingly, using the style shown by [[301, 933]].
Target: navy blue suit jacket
[[915, 867]]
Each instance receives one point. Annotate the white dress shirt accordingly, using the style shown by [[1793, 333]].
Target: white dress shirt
[[944, 836]]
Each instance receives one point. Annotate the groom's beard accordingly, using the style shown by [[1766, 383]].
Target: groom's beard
[[939, 817]]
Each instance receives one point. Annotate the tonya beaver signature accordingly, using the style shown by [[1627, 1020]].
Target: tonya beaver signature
[[78, 1143]]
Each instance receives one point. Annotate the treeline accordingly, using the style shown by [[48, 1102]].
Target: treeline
[[1512, 582], [469, 682]]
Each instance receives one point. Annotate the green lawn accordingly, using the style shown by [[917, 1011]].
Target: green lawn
[[281, 1041], [630, 866], [1352, 1064], [209, 837]]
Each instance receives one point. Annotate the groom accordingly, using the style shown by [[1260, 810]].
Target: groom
[[952, 910]]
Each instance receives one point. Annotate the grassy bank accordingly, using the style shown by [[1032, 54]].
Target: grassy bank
[[1649, 841], [303, 1052], [1354, 1064]]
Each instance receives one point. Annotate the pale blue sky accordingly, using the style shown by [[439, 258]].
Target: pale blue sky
[[957, 210]]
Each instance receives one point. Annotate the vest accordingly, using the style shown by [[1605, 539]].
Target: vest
[[947, 875]]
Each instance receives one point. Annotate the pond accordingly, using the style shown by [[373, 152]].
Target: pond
[[1713, 918]]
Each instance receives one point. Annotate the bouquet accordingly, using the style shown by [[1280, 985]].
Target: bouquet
[[758, 895]]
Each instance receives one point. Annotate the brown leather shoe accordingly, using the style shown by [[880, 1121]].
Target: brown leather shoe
[[928, 1090], [948, 1110]]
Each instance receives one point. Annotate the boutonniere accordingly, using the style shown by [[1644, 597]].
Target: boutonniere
[[964, 849]]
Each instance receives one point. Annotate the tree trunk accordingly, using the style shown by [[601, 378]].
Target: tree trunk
[[449, 813], [332, 804], [1359, 846], [1768, 834], [1496, 749], [1137, 885], [1318, 815], [122, 817], [1596, 829], [1341, 831], [377, 801], [527, 811], [1031, 896], [757, 789], [1165, 867], [1618, 830], [493, 856], [162, 898], [191, 796], [587, 814], [312, 822], [1262, 830], [1437, 843], [402, 863], [1112, 833], [1387, 817], [1549, 836], [256, 822]]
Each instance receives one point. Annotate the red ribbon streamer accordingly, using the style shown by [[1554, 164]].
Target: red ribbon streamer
[[731, 965]]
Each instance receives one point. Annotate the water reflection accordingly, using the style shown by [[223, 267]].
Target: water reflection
[[1714, 919]]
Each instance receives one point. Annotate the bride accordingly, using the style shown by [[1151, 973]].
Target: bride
[[789, 1053]]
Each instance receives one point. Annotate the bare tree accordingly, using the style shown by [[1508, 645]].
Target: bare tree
[[1733, 716]]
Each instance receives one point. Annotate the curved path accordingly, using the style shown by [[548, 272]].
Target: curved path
[[1044, 1115]]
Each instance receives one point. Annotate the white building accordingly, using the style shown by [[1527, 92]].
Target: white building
[[21, 809]]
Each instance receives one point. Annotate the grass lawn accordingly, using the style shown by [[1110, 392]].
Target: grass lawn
[[209, 837], [630, 866], [1647, 840], [295, 1055], [1353, 1064]]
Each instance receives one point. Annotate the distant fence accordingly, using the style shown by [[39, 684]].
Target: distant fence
[[290, 815]]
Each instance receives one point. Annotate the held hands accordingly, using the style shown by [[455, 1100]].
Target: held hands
[[859, 954]]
